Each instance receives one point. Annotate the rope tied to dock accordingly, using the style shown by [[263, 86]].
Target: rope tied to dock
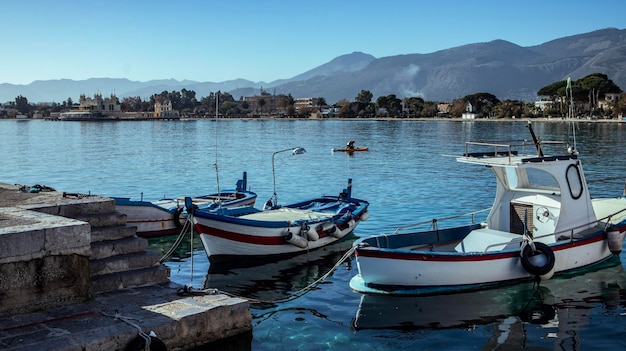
[[143, 339]]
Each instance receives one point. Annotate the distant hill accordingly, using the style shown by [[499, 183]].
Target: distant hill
[[507, 70]]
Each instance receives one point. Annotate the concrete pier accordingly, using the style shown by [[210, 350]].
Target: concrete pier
[[74, 276]]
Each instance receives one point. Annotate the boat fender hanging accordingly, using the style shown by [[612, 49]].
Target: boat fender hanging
[[326, 226], [614, 240], [312, 234], [351, 223], [309, 232], [139, 343], [296, 240], [538, 259], [334, 232], [364, 216], [177, 214]]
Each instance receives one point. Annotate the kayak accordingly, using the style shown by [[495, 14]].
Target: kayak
[[351, 150]]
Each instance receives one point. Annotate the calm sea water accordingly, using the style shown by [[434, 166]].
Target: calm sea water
[[406, 178]]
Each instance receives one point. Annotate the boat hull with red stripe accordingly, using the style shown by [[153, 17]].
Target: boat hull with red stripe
[[239, 233]]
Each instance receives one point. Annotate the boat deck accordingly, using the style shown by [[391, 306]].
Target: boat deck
[[287, 214], [607, 207]]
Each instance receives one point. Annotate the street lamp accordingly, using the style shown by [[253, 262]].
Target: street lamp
[[294, 151]]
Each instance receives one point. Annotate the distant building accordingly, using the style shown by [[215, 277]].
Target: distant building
[[544, 104], [443, 108], [164, 110], [469, 112], [100, 105], [98, 108], [609, 99], [305, 103]]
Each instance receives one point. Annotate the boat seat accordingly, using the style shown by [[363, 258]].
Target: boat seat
[[480, 239]]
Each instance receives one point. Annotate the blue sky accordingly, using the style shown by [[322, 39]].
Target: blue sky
[[206, 40]]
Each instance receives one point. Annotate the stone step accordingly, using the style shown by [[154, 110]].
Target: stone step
[[88, 205], [105, 249], [107, 219], [157, 274], [113, 232], [71, 207], [121, 263]]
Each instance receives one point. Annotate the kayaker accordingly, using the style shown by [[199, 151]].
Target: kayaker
[[350, 145]]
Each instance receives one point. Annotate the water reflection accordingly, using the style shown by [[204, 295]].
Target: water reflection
[[561, 307], [269, 282]]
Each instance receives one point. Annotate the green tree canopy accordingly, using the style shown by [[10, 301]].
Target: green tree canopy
[[364, 97], [21, 104], [597, 83]]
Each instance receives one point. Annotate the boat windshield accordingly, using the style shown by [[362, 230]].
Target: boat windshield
[[532, 178]]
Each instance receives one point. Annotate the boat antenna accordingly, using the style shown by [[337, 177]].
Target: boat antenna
[[217, 175], [570, 112], [536, 140]]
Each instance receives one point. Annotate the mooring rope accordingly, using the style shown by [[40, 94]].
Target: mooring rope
[[146, 337], [178, 240]]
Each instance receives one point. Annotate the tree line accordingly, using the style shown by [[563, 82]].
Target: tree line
[[586, 94]]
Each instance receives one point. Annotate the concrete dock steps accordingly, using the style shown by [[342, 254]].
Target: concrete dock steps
[[62, 280], [119, 259], [113, 232], [132, 278]]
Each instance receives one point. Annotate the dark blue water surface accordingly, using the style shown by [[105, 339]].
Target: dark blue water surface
[[405, 176]]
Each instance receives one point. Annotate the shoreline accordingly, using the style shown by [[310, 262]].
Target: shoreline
[[386, 119]]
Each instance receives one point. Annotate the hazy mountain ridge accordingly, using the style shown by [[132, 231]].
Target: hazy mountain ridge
[[502, 68]]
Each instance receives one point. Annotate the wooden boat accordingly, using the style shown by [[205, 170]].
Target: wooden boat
[[248, 232], [351, 150], [543, 221], [167, 216]]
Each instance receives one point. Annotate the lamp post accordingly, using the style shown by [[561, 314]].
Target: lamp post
[[294, 151]]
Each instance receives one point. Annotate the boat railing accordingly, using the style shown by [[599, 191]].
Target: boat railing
[[434, 222], [567, 234], [505, 148]]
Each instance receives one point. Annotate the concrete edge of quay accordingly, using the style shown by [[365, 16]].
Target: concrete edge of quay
[[51, 299]]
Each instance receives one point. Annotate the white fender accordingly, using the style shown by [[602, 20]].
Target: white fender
[[334, 232], [296, 240], [312, 235], [326, 226], [614, 240], [365, 216]]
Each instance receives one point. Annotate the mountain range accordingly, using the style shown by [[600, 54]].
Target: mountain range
[[499, 67]]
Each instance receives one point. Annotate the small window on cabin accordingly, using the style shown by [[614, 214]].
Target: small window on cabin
[[574, 181]]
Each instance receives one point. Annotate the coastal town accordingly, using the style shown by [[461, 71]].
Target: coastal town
[[594, 97]]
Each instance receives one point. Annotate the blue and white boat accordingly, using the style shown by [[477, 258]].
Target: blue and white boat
[[543, 222], [168, 216], [248, 232]]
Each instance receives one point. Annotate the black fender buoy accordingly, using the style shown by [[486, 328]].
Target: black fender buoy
[[531, 266], [139, 343], [177, 217], [614, 240]]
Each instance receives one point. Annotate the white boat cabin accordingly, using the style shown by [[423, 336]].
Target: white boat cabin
[[545, 197]]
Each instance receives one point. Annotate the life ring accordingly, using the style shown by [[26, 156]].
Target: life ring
[[539, 249], [139, 343], [177, 217]]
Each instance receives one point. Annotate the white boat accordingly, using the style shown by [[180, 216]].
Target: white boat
[[543, 221], [248, 232], [167, 216]]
